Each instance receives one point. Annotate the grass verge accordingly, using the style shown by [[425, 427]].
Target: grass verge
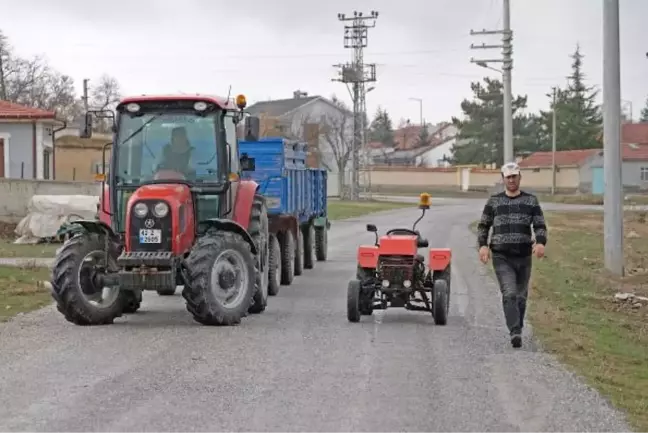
[[9, 249], [21, 291], [576, 316], [590, 199], [341, 209]]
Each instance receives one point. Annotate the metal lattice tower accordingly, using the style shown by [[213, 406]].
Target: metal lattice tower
[[357, 73]]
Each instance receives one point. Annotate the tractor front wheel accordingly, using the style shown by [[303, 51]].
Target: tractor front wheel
[[76, 281], [353, 301], [258, 229], [219, 279]]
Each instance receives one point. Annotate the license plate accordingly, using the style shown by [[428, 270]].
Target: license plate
[[150, 236]]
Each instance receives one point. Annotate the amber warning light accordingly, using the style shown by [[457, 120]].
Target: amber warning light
[[425, 201], [241, 102]]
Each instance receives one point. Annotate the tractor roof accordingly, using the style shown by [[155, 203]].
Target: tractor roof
[[220, 101]]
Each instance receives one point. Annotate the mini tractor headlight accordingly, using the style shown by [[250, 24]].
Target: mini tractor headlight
[[385, 283], [407, 284], [161, 209], [140, 210]]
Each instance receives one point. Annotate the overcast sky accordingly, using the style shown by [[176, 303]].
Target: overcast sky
[[269, 49]]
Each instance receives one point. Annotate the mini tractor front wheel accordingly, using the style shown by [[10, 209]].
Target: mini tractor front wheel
[[219, 279], [353, 301], [133, 302], [77, 281]]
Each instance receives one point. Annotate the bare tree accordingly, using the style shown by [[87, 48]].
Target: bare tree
[[104, 96], [337, 134]]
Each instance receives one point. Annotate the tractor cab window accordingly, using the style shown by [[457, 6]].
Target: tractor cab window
[[169, 145]]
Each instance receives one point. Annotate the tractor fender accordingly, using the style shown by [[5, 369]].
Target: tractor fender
[[230, 226], [368, 256], [96, 226], [246, 191], [440, 258]]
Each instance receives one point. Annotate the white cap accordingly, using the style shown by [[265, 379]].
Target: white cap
[[510, 169]]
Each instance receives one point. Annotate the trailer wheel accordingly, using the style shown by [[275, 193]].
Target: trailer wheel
[[299, 252], [287, 258], [274, 266], [309, 246], [321, 243]]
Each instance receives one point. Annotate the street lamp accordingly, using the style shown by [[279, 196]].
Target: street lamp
[[420, 101], [485, 65]]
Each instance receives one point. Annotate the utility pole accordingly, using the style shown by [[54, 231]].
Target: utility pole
[[507, 66], [613, 198], [553, 144], [85, 94], [357, 73], [420, 101]]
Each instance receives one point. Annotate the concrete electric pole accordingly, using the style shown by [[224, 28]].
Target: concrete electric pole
[[507, 66], [85, 94], [553, 143], [357, 73], [613, 198]]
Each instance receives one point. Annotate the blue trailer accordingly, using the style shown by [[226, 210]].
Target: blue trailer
[[296, 199]]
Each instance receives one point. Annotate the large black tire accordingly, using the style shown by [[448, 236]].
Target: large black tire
[[309, 246], [299, 253], [287, 258], [68, 282], [366, 299], [321, 243], [274, 266], [353, 301], [440, 302], [445, 275], [258, 229], [201, 303], [167, 292], [133, 303]]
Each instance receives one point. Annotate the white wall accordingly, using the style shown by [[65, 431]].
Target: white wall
[[432, 157]]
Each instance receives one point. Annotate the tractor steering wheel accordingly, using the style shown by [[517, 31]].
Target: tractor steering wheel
[[403, 231]]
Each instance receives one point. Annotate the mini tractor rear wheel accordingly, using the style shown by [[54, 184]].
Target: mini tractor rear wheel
[[353, 301]]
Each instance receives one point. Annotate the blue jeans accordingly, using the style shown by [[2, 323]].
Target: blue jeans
[[513, 274]]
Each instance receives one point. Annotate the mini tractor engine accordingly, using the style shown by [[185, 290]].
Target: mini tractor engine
[[173, 211], [391, 273]]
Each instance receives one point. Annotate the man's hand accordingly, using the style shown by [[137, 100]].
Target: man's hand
[[538, 250], [484, 254]]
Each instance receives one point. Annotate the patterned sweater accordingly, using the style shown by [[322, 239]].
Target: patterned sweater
[[511, 219]]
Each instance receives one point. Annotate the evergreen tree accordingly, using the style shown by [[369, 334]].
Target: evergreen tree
[[481, 131], [381, 128], [424, 138], [644, 113]]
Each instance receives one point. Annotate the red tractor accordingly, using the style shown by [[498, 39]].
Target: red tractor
[[391, 273], [174, 212]]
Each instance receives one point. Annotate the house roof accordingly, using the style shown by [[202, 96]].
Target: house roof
[[563, 158], [634, 133], [9, 110], [279, 107]]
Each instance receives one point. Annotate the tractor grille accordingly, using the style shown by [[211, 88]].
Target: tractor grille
[[136, 223], [396, 269]]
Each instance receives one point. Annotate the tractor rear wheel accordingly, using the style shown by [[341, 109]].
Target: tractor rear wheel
[[219, 279], [353, 301], [440, 301], [321, 243], [76, 278], [167, 292], [274, 266], [258, 229], [309, 246]]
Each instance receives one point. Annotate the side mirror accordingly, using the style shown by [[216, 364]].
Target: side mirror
[[86, 131], [246, 163], [372, 228], [252, 128]]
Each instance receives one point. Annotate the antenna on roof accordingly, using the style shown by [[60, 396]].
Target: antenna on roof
[[229, 92]]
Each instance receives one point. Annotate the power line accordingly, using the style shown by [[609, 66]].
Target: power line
[[357, 73]]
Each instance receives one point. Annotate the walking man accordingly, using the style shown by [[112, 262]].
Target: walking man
[[511, 214]]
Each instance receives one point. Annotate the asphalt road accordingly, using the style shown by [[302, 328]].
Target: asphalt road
[[300, 366]]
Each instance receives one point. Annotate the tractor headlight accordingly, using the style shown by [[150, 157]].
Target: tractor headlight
[[161, 209], [407, 284], [385, 283], [140, 210]]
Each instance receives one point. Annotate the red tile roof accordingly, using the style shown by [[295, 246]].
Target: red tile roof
[[9, 110], [563, 158], [635, 152], [634, 133]]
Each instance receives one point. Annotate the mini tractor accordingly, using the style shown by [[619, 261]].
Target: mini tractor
[[391, 273], [173, 212]]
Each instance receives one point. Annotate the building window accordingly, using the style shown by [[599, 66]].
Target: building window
[[644, 174], [46, 164]]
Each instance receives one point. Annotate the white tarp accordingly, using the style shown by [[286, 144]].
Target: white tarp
[[46, 214]]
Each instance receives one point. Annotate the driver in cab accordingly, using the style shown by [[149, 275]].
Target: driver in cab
[[177, 155]]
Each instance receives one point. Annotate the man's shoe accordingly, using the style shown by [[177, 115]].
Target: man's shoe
[[516, 340]]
